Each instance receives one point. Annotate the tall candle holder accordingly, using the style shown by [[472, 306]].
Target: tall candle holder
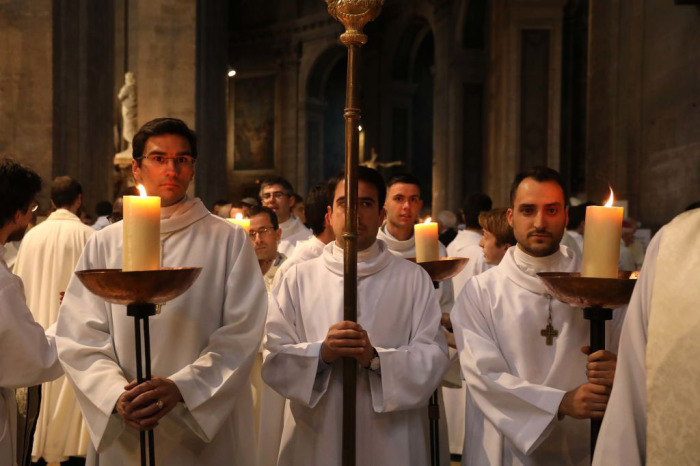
[[439, 270], [597, 297], [143, 293]]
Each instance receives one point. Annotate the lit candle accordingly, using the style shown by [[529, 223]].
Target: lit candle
[[240, 221], [141, 230], [426, 235], [362, 144], [601, 240]]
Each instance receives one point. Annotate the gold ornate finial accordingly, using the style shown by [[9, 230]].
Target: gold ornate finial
[[354, 14]]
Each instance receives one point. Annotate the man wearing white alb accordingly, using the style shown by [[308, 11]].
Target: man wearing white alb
[[278, 194], [397, 342], [45, 263], [203, 343], [319, 220], [27, 354], [466, 244], [272, 404], [521, 350], [653, 410]]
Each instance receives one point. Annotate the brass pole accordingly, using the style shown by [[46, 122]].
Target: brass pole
[[354, 14]]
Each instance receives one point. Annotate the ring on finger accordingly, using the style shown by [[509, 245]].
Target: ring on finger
[[159, 403]]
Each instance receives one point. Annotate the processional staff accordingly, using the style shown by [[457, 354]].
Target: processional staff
[[354, 14]]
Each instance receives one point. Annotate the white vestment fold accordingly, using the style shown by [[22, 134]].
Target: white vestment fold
[[623, 438], [205, 341], [27, 356], [515, 382], [293, 231], [445, 294], [272, 404], [653, 409], [466, 244], [304, 251], [45, 263], [404, 328]]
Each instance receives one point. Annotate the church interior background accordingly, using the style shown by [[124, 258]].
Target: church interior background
[[465, 93]]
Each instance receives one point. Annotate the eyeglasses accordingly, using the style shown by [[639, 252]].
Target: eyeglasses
[[162, 161], [277, 195], [260, 231]]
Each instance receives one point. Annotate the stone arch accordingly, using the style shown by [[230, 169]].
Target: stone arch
[[411, 102], [324, 89]]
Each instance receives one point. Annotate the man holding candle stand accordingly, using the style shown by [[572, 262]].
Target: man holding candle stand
[[528, 382], [400, 351], [27, 354], [203, 343]]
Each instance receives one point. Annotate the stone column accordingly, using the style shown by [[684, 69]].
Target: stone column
[[164, 32], [83, 100], [211, 94], [444, 179], [292, 164], [26, 85], [604, 165]]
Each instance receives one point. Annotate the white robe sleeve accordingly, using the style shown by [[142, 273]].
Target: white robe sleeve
[[410, 373], [27, 356], [83, 337], [523, 412], [292, 366], [222, 371], [622, 438]]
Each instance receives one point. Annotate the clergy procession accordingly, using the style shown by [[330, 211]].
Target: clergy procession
[[259, 292], [246, 363]]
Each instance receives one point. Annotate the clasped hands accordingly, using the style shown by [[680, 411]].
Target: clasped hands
[[590, 400], [141, 406], [347, 339]]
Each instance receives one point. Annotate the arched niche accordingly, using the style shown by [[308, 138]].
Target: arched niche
[[325, 103]]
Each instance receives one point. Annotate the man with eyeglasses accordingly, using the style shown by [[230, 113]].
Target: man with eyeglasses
[[265, 234], [203, 343], [278, 194], [27, 354], [45, 263]]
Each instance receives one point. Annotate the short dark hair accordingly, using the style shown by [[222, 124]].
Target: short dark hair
[[158, 127], [405, 178], [472, 206], [220, 202], [539, 174], [298, 199], [577, 214], [64, 191], [103, 208], [19, 185], [286, 185], [259, 210], [317, 202], [366, 174]]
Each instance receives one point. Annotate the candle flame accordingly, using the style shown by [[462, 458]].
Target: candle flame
[[239, 216], [142, 190], [427, 220], [610, 201]]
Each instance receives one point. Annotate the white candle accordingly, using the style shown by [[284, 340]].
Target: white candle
[[426, 235], [141, 230], [240, 221], [601, 240]]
